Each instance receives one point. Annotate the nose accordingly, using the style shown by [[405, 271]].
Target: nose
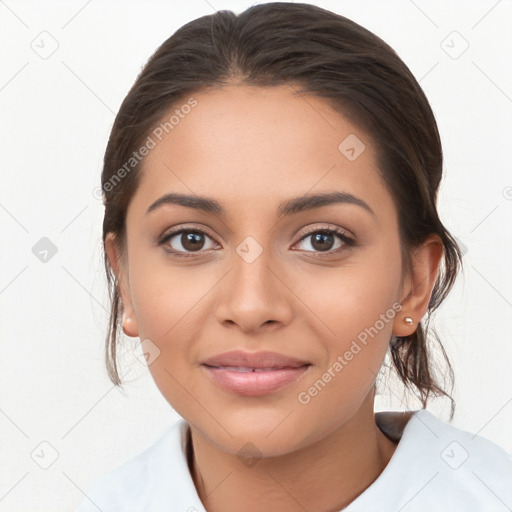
[[254, 296]]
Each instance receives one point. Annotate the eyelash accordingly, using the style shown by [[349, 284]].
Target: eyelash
[[347, 240]]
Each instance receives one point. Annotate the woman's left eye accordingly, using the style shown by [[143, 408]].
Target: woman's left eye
[[324, 241], [187, 241]]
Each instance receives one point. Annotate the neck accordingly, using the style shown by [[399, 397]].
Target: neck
[[325, 476]]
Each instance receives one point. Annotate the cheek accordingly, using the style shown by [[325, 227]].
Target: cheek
[[350, 299], [166, 296], [173, 305], [357, 306], [363, 327], [170, 305]]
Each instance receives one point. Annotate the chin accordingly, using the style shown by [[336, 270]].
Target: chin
[[256, 433]]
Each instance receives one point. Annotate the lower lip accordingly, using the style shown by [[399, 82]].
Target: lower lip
[[254, 383]]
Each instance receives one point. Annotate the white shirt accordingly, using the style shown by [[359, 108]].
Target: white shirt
[[435, 467]]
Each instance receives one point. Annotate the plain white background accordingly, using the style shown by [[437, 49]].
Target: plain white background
[[65, 69]]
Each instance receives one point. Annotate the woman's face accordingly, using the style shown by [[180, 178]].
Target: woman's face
[[255, 275]]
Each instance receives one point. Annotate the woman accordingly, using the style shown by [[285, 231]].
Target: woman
[[270, 235]]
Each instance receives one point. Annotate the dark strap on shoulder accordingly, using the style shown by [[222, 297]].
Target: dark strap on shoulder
[[392, 423]]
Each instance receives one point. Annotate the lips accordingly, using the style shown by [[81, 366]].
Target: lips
[[250, 369], [258, 361], [254, 374]]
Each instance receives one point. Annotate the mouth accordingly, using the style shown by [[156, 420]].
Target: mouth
[[244, 369], [254, 360], [254, 374]]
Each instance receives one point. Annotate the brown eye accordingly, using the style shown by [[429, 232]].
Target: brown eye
[[187, 241], [322, 241], [192, 241], [326, 241]]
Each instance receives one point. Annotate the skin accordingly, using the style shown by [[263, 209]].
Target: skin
[[251, 148]]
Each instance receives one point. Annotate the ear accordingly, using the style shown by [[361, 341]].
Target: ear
[[418, 286], [119, 267]]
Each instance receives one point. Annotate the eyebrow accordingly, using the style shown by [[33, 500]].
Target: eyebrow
[[286, 208]]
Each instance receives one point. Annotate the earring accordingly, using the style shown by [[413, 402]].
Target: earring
[[408, 320], [125, 324]]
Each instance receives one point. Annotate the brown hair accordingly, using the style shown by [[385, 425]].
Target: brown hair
[[320, 53]]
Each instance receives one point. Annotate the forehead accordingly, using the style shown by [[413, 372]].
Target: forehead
[[242, 143]]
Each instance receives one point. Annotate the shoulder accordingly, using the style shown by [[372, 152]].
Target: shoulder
[[437, 466], [157, 475], [460, 447], [467, 469], [470, 468]]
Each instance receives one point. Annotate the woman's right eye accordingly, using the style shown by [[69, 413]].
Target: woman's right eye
[[186, 242]]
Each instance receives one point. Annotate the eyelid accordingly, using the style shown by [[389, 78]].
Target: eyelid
[[328, 227]]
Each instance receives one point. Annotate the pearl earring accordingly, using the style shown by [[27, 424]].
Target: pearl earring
[[126, 321], [408, 320]]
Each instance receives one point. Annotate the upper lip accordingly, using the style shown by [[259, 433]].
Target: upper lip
[[265, 359]]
